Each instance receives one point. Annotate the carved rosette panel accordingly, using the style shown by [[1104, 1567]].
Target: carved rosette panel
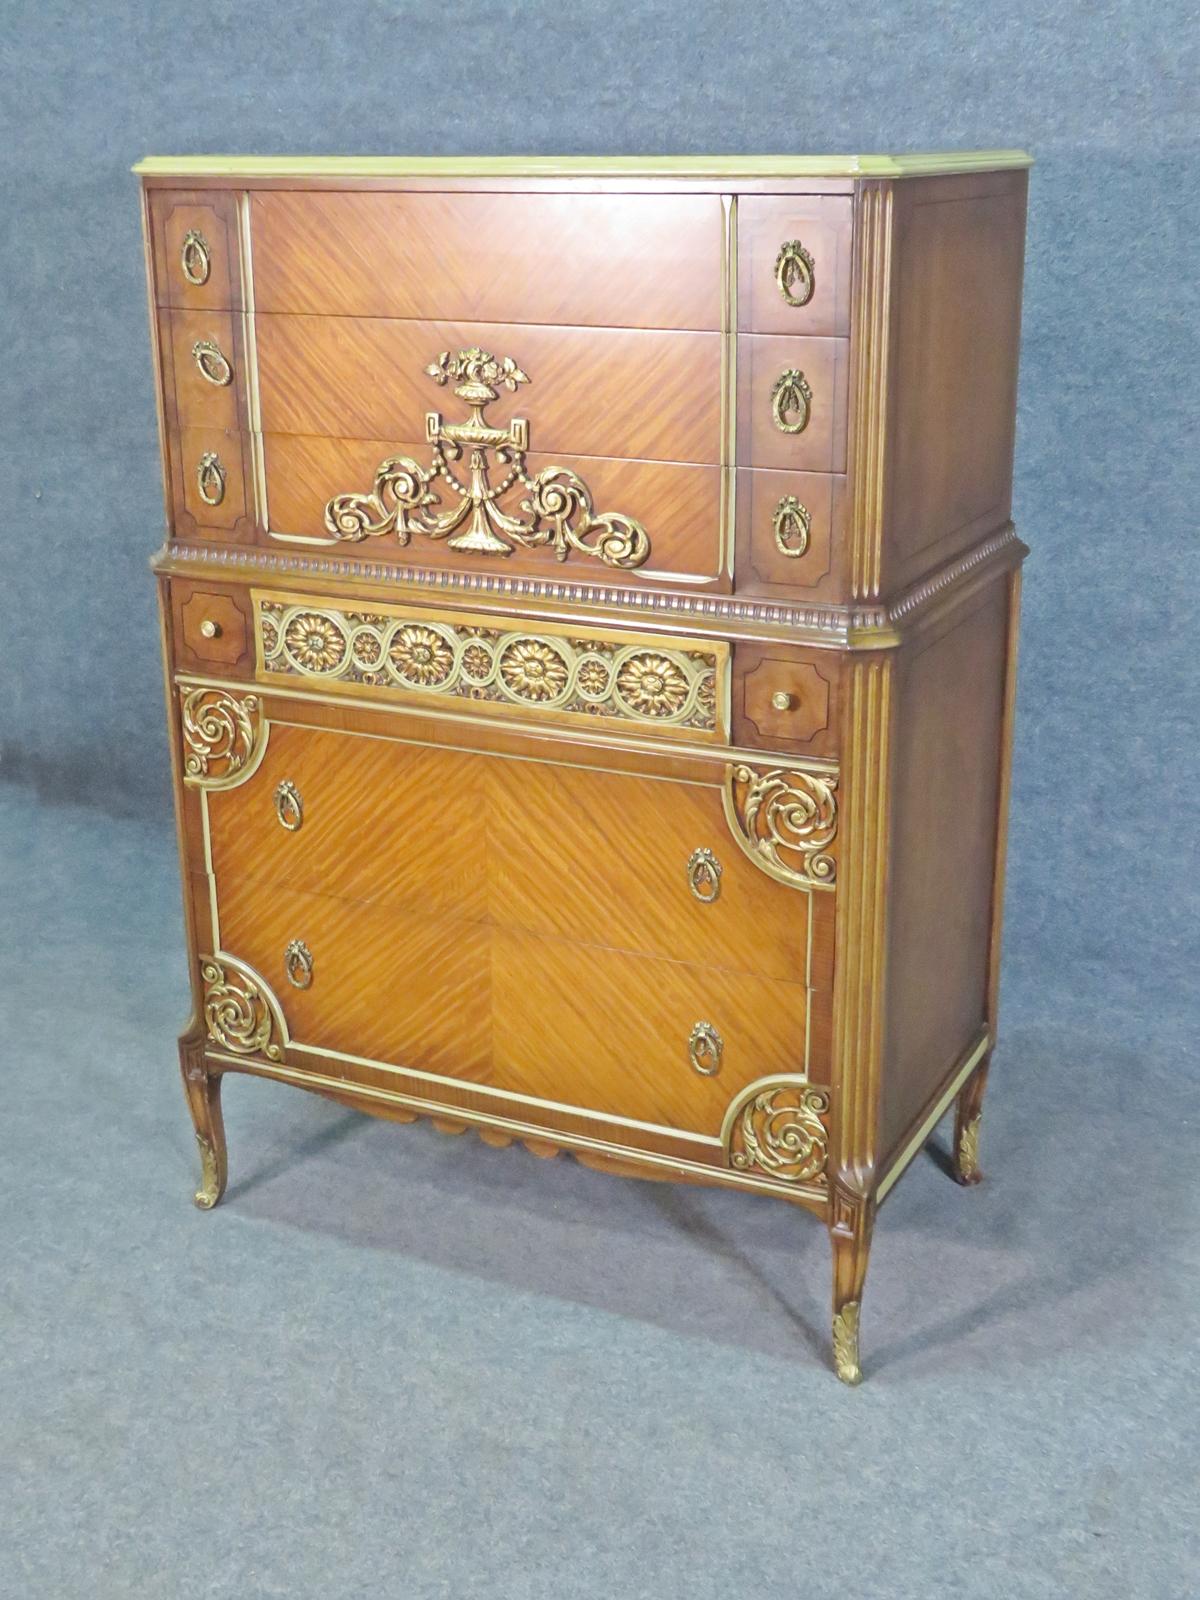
[[641, 682], [240, 1012], [223, 736], [785, 820], [780, 1129]]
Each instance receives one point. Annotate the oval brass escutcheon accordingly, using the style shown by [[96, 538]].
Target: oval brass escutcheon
[[210, 478], [298, 964], [705, 1049], [704, 874], [792, 523], [195, 258], [794, 273], [289, 807], [791, 402], [206, 353]]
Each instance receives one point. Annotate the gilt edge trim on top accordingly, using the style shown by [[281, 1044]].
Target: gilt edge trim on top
[[916, 165]]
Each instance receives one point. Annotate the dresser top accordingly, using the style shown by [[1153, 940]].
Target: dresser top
[[692, 167]]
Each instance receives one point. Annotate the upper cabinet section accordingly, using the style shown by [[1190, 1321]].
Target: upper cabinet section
[[580, 260], [792, 378]]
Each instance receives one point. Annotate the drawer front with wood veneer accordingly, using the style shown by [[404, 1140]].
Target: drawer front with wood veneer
[[463, 923]]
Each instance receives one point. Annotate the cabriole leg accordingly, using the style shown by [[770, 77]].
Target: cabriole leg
[[203, 1090], [850, 1222], [968, 1111]]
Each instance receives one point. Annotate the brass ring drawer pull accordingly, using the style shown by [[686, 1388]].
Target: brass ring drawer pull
[[206, 353], [794, 273], [289, 807], [298, 964], [704, 875], [195, 258], [705, 1049], [792, 523], [791, 402], [210, 478]]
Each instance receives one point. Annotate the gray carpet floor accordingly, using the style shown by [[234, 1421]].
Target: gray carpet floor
[[397, 1364]]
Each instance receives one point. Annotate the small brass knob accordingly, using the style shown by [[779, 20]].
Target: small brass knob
[[210, 629], [782, 701]]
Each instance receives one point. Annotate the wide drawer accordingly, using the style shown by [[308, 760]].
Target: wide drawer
[[622, 261], [608, 858], [642, 1037]]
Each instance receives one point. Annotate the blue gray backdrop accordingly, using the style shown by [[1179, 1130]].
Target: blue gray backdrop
[[381, 1369]]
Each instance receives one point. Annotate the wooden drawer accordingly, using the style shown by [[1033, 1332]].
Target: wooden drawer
[[637, 394], [792, 402], [616, 260], [561, 851], [794, 256], [210, 484], [194, 240], [212, 629], [790, 532], [786, 699], [614, 1033], [678, 505], [672, 686], [202, 357]]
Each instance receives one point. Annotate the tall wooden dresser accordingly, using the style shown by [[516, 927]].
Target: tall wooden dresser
[[589, 618]]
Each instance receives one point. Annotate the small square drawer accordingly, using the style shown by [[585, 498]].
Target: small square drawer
[[785, 699], [794, 264], [212, 629], [195, 243]]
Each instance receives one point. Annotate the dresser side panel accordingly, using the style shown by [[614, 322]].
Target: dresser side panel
[[946, 794], [952, 384]]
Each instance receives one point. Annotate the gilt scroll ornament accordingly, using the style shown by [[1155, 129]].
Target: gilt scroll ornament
[[785, 821], [779, 1129], [222, 737], [435, 501], [240, 1012]]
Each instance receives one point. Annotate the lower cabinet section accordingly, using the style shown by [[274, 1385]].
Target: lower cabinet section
[[561, 935]]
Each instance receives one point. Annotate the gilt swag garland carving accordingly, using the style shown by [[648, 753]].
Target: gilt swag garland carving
[[785, 821], [643, 682], [435, 501]]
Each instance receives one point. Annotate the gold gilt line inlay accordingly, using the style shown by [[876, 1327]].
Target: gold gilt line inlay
[[655, 683], [435, 501]]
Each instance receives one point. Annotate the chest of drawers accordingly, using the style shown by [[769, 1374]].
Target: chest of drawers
[[589, 618]]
